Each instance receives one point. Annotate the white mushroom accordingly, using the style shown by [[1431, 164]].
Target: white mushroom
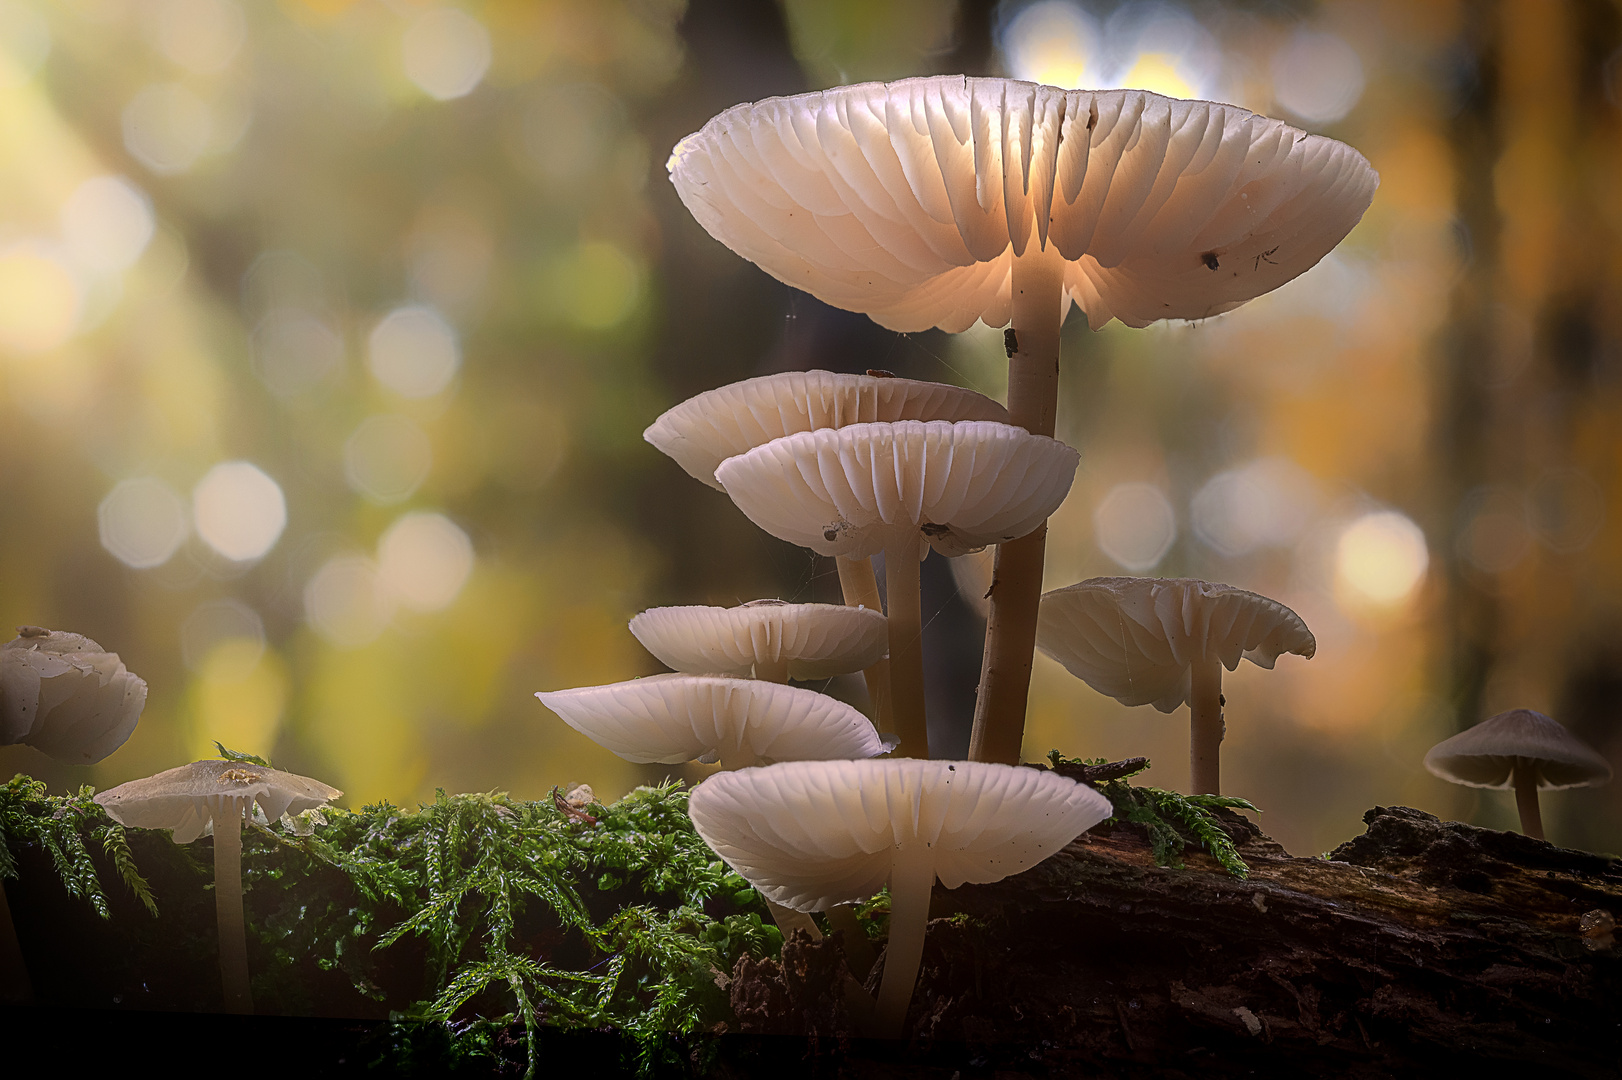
[[1524, 750], [938, 201], [764, 638], [811, 835], [1164, 642], [217, 795], [64, 694], [901, 488], [738, 722]]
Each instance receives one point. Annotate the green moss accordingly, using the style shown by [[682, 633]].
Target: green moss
[[476, 912], [1167, 816]]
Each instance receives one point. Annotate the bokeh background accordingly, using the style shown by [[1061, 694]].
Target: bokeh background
[[329, 328]]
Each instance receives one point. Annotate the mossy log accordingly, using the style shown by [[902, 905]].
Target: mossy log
[[1420, 945]]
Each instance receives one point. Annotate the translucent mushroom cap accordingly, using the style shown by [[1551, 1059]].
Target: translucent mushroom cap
[[1485, 756], [810, 835], [741, 722], [67, 696], [704, 431], [845, 491], [189, 798], [909, 200], [816, 640], [1136, 639]]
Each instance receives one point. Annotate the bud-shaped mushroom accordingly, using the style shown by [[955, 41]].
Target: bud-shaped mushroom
[[217, 795], [64, 694], [1164, 642], [1524, 750]]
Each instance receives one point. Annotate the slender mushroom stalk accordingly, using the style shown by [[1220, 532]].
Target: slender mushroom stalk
[[937, 201], [860, 588], [190, 799], [1524, 750], [912, 880], [904, 608], [1205, 728], [1525, 781]]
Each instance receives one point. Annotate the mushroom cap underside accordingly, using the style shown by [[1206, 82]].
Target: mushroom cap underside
[[675, 718], [185, 799], [909, 200], [810, 835], [705, 430], [1135, 639], [846, 491], [1485, 755], [65, 695], [816, 640]]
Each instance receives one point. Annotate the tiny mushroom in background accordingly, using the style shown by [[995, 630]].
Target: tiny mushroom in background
[[766, 639], [933, 202], [67, 696], [815, 834], [190, 800], [705, 430], [902, 488], [1164, 642], [1524, 750]]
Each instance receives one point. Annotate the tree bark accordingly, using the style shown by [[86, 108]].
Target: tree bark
[[1421, 945]]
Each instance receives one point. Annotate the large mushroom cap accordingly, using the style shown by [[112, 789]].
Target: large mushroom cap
[[810, 835], [704, 431], [844, 491], [1485, 756], [185, 799], [67, 696], [1135, 639], [816, 640], [674, 718], [909, 200]]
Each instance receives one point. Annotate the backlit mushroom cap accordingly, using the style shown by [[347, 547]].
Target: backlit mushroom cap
[[1485, 756], [816, 640], [909, 200], [845, 491], [810, 835], [673, 718], [187, 799], [704, 431], [1134, 639], [64, 694]]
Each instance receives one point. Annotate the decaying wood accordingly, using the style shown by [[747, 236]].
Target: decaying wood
[[1420, 945]]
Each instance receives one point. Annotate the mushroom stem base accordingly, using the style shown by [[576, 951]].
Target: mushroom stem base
[[1525, 779], [228, 908], [912, 879]]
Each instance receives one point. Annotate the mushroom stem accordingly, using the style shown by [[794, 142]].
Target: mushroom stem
[[15, 986], [1525, 780], [912, 878], [1016, 581], [1205, 728], [772, 670], [861, 589], [906, 646], [228, 905], [788, 920]]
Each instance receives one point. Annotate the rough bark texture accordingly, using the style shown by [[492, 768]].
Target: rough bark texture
[[1420, 945]]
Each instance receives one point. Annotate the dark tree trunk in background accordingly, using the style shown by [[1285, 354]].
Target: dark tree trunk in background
[[1420, 946]]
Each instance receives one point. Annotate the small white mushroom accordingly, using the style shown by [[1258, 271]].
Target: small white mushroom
[[217, 795], [812, 835], [902, 488], [1164, 642], [764, 638], [67, 696], [1524, 750], [738, 722]]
